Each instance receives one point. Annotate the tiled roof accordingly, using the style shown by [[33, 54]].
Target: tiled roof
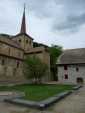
[[72, 56]]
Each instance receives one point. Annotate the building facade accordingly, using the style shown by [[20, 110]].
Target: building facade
[[11, 57], [13, 50], [71, 66]]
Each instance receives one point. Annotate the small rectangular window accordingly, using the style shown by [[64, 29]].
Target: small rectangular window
[[3, 61], [14, 71], [65, 67], [26, 41], [77, 69], [9, 51], [17, 64], [30, 42], [66, 76]]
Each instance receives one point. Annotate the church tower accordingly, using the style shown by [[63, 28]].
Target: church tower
[[25, 41], [23, 25]]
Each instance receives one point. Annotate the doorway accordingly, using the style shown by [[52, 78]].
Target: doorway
[[80, 80]]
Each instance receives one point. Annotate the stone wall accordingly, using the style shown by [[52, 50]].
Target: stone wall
[[11, 70], [12, 52], [25, 42], [9, 50], [72, 73]]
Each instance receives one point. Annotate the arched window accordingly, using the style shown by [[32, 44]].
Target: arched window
[[26, 41], [19, 40]]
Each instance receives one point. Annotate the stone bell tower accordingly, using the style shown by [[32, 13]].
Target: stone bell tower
[[23, 25]]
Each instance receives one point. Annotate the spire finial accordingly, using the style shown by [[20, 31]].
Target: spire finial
[[24, 7], [23, 25]]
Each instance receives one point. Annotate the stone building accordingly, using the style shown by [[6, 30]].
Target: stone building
[[71, 66], [13, 50]]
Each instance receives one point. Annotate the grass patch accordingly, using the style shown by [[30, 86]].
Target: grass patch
[[37, 92]]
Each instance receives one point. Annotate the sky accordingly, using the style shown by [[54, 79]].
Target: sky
[[58, 22]]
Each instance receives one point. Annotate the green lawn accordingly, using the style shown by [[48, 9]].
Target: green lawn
[[37, 92]]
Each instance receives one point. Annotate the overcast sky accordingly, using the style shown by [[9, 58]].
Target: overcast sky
[[60, 22]]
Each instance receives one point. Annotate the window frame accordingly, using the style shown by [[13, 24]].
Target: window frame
[[77, 69], [65, 67], [66, 76], [19, 40], [3, 62]]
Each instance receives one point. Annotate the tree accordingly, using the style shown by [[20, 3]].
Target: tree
[[34, 69], [55, 52]]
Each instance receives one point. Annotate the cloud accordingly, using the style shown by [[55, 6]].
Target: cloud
[[72, 23], [42, 8], [8, 16], [67, 15], [48, 21], [74, 11]]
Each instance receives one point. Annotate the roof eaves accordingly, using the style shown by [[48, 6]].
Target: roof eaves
[[22, 34]]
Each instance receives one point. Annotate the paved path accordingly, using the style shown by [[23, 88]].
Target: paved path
[[74, 103], [9, 108]]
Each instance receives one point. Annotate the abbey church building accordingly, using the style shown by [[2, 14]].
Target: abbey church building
[[13, 50]]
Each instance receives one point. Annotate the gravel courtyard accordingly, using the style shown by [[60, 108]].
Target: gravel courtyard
[[74, 103]]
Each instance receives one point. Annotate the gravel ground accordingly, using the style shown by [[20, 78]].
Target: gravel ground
[[74, 103]]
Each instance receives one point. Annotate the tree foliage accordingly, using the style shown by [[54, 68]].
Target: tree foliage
[[55, 52], [34, 68]]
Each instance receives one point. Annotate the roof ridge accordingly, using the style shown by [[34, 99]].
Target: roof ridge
[[73, 49]]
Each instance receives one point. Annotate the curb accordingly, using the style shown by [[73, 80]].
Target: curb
[[39, 105], [42, 104]]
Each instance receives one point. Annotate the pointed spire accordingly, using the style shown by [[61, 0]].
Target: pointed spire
[[23, 25]]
